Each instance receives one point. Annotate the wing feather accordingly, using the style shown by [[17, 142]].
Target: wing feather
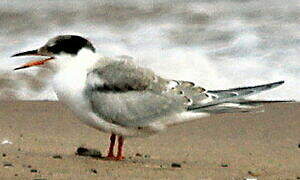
[[127, 95], [124, 94]]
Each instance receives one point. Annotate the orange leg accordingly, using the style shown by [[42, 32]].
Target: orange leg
[[120, 148], [110, 154]]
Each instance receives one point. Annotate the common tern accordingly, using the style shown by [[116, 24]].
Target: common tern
[[118, 97]]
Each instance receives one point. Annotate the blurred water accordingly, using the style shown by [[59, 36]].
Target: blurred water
[[217, 44]]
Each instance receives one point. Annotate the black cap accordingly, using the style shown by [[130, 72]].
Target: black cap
[[70, 44]]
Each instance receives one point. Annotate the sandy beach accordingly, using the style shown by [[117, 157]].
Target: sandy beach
[[39, 141]]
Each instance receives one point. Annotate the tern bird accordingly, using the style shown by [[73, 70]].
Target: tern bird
[[118, 97]]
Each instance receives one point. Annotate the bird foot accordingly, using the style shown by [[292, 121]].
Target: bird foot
[[114, 158], [119, 158]]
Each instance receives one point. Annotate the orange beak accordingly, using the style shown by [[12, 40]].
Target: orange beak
[[33, 63]]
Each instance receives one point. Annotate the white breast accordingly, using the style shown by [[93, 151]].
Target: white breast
[[69, 85]]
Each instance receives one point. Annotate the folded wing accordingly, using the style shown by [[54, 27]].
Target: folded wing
[[127, 95]]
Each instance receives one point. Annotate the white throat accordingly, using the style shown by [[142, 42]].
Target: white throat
[[69, 81]]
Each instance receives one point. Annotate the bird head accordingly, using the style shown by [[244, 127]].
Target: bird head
[[59, 51]]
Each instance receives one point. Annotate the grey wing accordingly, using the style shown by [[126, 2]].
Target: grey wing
[[124, 94], [134, 108]]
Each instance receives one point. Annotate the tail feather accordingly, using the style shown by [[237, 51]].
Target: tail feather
[[226, 108], [232, 100], [241, 106]]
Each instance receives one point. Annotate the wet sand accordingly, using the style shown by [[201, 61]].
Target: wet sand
[[45, 137]]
